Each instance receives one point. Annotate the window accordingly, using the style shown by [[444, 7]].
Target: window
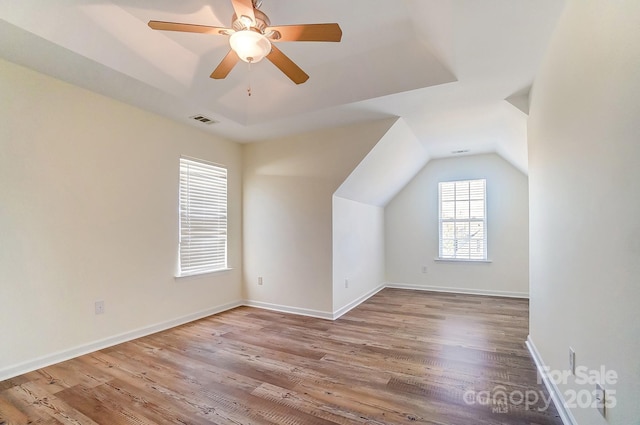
[[463, 220], [203, 217]]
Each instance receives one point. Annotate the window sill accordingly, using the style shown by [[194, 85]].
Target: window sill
[[201, 274], [460, 260]]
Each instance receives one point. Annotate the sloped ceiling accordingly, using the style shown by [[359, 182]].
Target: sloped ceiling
[[444, 66], [387, 168]]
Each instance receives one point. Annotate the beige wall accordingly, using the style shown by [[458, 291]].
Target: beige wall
[[88, 211], [584, 154], [358, 214], [411, 230], [358, 252], [288, 190]]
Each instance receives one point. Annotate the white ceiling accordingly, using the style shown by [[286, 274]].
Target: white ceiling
[[445, 66]]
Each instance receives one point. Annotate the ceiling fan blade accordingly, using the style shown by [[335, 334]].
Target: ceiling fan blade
[[175, 26], [225, 66], [287, 66], [244, 8], [308, 32]]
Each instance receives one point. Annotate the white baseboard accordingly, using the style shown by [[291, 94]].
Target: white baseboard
[[470, 291], [554, 391], [60, 356], [353, 304], [288, 309], [315, 313]]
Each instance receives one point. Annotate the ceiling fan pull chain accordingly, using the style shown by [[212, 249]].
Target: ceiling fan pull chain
[[249, 79]]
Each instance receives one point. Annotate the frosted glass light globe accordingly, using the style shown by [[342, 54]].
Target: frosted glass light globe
[[251, 46]]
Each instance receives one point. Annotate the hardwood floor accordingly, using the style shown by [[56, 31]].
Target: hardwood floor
[[402, 357]]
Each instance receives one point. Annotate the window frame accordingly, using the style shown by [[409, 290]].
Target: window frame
[[469, 220], [202, 204]]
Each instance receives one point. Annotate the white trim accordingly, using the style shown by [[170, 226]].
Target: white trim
[[487, 292], [353, 304], [554, 391], [194, 159], [288, 309], [201, 274], [461, 260], [60, 356]]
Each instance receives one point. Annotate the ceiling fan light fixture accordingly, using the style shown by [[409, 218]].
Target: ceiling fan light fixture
[[251, 46], [251, 38]]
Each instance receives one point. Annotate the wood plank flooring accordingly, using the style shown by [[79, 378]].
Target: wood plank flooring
[[402, 357]]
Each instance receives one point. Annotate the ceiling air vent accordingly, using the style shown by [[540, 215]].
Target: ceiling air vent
[[203, 119], [460, 151]]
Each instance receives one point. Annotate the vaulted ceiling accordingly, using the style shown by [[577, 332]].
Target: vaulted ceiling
[[457, 71]]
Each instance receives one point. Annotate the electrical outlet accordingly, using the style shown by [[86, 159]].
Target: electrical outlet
[[99, 307], [424, 269], [572, 361], [260, 280], [601, 400], [346, 283]]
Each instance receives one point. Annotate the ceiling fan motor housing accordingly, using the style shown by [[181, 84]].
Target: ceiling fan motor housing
[[261, 23]]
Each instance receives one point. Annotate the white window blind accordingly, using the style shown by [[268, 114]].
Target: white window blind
[[463, 220], [203, 217]]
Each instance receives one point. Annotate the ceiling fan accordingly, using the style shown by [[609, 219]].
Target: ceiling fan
[[252, 38]]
